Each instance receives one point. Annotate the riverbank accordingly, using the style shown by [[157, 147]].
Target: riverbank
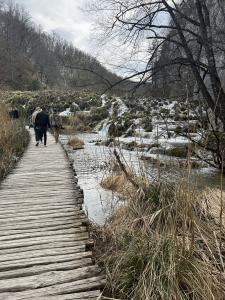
[[161, 239], [165, 242], [14, 139]]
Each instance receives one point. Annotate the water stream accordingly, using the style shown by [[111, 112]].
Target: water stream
[[91, 162]]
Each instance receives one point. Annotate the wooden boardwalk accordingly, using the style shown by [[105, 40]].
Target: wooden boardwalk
[[43, 238]]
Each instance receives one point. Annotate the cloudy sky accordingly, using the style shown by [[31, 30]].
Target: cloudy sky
[[65, 17]]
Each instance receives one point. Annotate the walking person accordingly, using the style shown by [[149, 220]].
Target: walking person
[[42, 122], [56, 124], [37, 129]]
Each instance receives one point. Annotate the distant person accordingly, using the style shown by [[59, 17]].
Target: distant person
[[37, 129], [14, 114], [42, 122], [56, 124], [30, 112]]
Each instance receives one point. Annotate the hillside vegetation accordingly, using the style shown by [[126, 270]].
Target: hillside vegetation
[[31, 59]]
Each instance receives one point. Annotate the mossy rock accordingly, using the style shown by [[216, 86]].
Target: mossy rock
[[180, 117], [179, 151], [130, 146], [130, 132], [164, 111], [116, 130], [147, 124]]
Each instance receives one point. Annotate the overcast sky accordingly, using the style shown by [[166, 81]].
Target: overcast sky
[[62, 16]]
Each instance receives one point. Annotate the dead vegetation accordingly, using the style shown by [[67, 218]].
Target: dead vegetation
[[80, 121], [76, 143], [164, 242], [13, 141]]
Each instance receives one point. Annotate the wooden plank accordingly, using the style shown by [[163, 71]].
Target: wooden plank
[[47, 279], [6, 231], [20, 226], [42, 252], [21, 263], [91, 295], [40, 269], [47, 221], [43, 240], [46, 245], [34, 234], [45, 216], [59, 289], [12, 209], [41, 212]]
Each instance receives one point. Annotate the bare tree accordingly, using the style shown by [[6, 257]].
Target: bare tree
[[187, 27]]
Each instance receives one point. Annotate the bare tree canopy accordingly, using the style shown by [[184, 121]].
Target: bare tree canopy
[[179, 38]]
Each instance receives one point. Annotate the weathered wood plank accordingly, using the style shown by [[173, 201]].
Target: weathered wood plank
[[43, 240], [35, 234], [21, 263], [20, 226], [92, 295], [47, 279], [6, 231], [47, 245], [42, 252], [46, 212], [58, 215], [86, 284], [40, 269]]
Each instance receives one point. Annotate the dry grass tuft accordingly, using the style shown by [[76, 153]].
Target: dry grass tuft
[[116, 182], [76, 143], [163, 243], [80, 121], [215, 202]]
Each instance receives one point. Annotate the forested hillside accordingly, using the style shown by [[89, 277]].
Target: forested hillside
[[31, 59]]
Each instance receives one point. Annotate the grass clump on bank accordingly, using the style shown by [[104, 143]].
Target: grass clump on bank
[[76, 143], [163, 243], [14, 139]]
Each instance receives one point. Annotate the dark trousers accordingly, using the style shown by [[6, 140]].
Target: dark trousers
[[37, 131], [44, 134]]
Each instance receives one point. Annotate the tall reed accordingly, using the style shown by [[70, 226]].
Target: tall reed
[[13, 140]]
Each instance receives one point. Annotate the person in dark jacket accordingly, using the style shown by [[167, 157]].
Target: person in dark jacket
[[14, 114], [42, 123], [36, 128]]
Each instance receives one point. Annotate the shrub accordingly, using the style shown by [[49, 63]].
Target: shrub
[[178, 151], [35, 85], [147, 124], [98, 114], [180, 117], [178, 130], [80, 121], [164, 111]]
